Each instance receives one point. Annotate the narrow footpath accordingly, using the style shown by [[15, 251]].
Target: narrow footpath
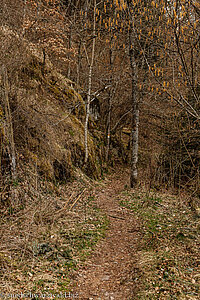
[[110, 271]]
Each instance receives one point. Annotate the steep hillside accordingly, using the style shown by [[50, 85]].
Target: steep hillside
[[47, 116]]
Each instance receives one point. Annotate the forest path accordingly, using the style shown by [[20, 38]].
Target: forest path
[[109, 271]]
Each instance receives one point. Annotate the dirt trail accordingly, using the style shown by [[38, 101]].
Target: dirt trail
[[109, 272]]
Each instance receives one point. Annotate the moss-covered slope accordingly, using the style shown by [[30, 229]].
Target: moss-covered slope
[[48, 121]]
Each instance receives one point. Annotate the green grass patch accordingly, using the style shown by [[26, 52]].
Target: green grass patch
[[168, 255]]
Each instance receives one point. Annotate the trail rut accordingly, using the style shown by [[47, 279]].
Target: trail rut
[[109, 273]]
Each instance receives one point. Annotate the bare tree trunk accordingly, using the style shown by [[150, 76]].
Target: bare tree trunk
[[69, 47], [135, 109], [78, 64], [108, 127], [24, 18], [9, 126], [90, 85], [109, 103]]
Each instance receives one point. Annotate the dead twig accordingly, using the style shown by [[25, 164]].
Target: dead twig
[[116, 217], [77, 199]]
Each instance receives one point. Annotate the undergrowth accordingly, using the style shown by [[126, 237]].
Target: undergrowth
[[168, 256], [43, 242]]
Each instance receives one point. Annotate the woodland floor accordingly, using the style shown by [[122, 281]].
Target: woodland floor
[[151, 250], [108, 274], [101, 240]]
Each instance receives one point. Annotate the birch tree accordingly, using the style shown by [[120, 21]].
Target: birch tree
[[90, 62], [129, 12], [135, 107]]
